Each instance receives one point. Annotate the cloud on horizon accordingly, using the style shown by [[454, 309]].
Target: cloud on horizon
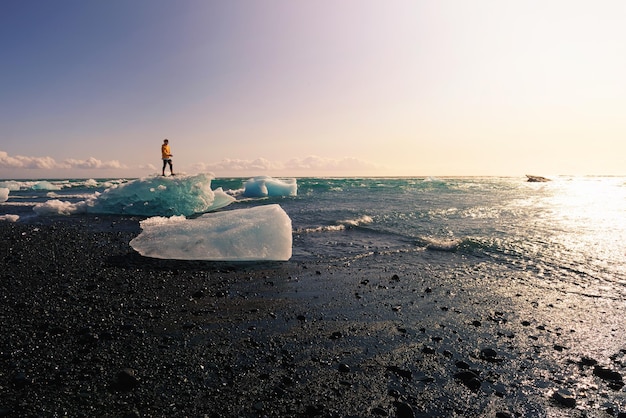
[[35, 163], [310, 163]]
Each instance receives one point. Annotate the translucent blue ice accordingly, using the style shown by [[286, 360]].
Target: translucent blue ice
[[263, 186], [165, 196], [148, 196], [258, 233]]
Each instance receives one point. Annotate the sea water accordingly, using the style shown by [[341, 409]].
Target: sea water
[[569, 232]]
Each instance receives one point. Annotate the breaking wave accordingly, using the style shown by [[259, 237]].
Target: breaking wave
[[338, 226]]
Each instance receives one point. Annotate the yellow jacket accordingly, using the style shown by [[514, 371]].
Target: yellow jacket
[[165, 152]]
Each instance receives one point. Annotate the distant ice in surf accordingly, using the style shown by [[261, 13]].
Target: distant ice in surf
[[263, 186], [10, 184], [258, 233], [45, 185]]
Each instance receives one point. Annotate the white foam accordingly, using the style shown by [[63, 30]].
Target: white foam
[[442, 244], [339, 226]]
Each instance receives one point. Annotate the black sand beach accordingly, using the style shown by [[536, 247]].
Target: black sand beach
[[90, 328]]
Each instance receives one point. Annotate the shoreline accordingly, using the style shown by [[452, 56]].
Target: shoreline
[[91, 328]]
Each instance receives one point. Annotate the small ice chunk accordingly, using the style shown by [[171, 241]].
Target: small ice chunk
[[263, 186], [45, 185], [11, 185], [59, 207], [258, 233]]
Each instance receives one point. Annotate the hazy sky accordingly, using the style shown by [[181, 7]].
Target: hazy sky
[[324, 87]]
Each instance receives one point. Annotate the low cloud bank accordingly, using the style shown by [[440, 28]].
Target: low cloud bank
[[310, 163], [49, 163]]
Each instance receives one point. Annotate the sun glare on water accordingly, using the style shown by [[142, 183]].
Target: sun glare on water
[[587, 216]]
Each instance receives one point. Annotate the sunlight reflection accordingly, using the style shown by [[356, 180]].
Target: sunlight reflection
[[586, 218]]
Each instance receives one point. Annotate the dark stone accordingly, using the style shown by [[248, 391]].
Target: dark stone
[[500, 390], [344, 368], [490, 355], [469, 379], [394, 393], [314, 410], [21, 379], [126, 380], [379, 411], [611, 376], [404, 410], [407, 374], [565, 398], [462, 365], [428, 350], [587, 361]]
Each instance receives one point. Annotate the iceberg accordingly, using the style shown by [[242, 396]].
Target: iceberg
[[148, 196], [258, 233], [263, 186], [164, 196]]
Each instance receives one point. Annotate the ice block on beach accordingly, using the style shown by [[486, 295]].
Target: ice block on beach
[[258, 233]]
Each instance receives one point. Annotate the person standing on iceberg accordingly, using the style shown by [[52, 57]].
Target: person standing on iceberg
[[166, 155]]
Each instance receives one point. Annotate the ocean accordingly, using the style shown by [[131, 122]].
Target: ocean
[[568, 233]]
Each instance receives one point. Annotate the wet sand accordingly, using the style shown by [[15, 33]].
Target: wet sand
[[90, 328]]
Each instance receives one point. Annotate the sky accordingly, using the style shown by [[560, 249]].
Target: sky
[[90, 89]]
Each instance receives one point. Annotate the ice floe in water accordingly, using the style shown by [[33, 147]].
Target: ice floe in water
[[45, 185], [165, 196], [263, 186], [258, 233], [148, 196]]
